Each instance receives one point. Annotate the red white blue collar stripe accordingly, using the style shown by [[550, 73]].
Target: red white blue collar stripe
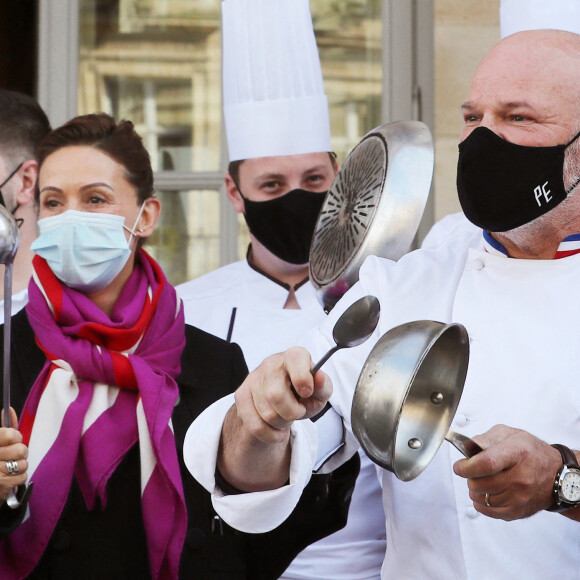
[[568, 246]]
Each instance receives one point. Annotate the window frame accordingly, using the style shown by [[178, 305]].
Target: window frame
[[407, 73]]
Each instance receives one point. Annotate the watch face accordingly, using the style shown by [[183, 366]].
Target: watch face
[[570, 488]]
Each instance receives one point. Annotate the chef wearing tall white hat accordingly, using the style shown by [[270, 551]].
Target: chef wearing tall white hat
[[512, 510], [514, 16], [281, 165]]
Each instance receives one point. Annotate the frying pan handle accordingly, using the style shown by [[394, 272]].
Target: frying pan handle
[[467, 446]]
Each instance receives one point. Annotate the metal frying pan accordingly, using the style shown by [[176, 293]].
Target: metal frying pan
[[374, 205], [407, 394]]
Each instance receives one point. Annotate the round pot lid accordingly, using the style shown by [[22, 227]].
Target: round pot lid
[[374, 205]]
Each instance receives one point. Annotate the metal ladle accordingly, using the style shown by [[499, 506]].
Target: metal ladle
[[9, 242], [353, 327]]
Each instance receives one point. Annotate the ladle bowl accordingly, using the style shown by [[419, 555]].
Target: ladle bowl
[[407, 394], [354, 326]]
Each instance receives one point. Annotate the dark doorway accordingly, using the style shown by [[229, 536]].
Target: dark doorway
[[18, 45]]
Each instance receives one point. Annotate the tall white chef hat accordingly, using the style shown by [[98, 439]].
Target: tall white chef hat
[[273, 93], [518, 15]]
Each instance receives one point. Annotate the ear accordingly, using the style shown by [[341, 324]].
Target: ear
[[28, 174], [149, 216], [233, 194]]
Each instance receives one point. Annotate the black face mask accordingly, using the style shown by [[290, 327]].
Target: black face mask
[[285, 225], [502, 185]]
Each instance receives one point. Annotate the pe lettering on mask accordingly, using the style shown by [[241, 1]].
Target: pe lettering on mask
[[541, 192]]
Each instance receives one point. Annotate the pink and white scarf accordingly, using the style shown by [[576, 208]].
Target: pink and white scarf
[[108, 383]]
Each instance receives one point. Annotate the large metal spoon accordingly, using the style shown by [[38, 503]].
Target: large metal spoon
[[353, 327], [9, 242]]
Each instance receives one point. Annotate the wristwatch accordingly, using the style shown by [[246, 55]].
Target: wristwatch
[[567, 482]]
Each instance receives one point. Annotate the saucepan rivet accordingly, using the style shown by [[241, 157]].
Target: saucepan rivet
[[436, 398]]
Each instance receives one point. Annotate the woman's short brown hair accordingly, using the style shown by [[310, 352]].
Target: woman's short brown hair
[[119, 141]]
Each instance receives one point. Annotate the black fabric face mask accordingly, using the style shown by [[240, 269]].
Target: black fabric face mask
[[285, 225], [502, 185]]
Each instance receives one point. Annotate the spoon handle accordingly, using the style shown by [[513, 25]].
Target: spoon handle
[[19, 496], [11, 499], [7, 338], [317, 366]]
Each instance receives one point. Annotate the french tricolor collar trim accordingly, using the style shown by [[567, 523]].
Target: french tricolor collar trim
[[568, 247]]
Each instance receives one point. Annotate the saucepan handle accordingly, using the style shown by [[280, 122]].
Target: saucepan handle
[[464, 444]]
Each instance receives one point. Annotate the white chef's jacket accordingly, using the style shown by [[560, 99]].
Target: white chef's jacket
[[524, 371], [453, 227], [261, 326], [259, 323]]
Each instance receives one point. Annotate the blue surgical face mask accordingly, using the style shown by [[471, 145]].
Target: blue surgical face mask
[[85, 250]]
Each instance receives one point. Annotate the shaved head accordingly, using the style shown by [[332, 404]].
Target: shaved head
[[534, 75], [535, 66]]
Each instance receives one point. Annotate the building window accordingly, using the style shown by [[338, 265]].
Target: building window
[[157, 63]]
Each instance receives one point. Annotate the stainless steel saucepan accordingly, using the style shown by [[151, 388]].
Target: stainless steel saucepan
[[407, 395]]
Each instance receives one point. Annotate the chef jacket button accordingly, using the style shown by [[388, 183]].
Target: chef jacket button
[[61, 541], [471, 513], [478, 264], [461, 420]]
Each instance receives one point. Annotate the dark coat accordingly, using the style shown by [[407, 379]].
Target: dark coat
[[110, 542]]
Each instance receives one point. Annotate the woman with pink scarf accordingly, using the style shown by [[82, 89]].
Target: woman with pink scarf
[[106, 379], [96, 432]]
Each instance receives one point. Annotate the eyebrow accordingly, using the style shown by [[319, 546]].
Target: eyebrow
[[268, 177], [96, 184], [83, 188], [469, 106], [317, 168]]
